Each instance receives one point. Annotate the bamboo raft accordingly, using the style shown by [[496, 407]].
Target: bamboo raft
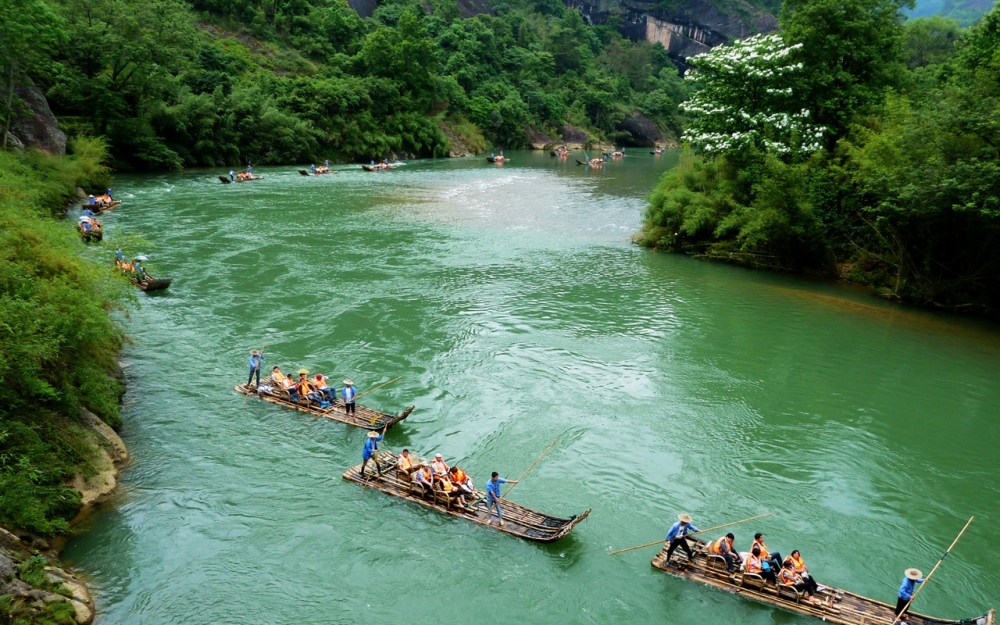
[[101, 208], [226, 180], [375, 168], [496, 159], [151, 284], [318, 173], [518, 520], [836, 606], [589, 164], [95, 234], [365, 418]]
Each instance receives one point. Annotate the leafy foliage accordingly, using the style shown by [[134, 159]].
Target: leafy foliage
[[907, 198], [298, 80], [57, 342]]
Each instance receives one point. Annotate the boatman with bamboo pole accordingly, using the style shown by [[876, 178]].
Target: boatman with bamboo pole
[[350, 395], [677, 536], [371, 451], [493, 496], [255, 361], [911, 578]]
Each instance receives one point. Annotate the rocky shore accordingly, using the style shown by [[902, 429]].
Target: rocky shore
[[34, 585]]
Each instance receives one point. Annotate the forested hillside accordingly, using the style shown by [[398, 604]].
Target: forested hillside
[[172, 83], [853, 142]]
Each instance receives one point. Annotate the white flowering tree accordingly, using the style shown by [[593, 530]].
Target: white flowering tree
[[744, 98]]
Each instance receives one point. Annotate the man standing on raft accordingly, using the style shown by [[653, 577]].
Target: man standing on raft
[[676, 537], [349, 394], [255, 362]]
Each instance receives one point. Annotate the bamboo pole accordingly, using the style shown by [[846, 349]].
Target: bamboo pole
[[928, 578], [711, 529], [528, 470], [377, 387], [255, 370]]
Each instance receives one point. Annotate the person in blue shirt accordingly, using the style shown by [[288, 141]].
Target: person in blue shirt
[[249, 169], [676, 536], [326, 164], [255, 363], [312, 168], [371, 451], [493, 496], [232, 175], [86, 213], [349, 394], [91, 200], [911, 578], [108, 193]]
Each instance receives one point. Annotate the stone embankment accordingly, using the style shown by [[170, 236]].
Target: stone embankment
[[31, 576]]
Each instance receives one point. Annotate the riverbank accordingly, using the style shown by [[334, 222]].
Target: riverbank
[[60, 383]]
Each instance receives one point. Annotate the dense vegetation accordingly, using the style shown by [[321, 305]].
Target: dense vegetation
[[57, 342], [904, 190], [212, 82]]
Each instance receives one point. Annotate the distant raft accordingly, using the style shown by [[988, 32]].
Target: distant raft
[[518, 521], [96, 233], [150, 283], [365, 418], [98, 208], [836, 606]]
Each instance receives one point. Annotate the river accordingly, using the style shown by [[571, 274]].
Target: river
[[515, 309]]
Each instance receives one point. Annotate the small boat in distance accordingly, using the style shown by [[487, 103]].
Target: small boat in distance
[[92, 232], [149, 283], [100, 207], [518, 521], [836, 606], [365, 418]]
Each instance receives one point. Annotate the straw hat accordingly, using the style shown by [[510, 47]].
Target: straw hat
[[303, 371], [348, 382], [913, 574], [686, 518], [253, 352], [372, 434], [436, 456]]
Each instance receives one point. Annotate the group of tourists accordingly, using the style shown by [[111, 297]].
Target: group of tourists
[[102, 201], [315, 390], [131, 268], [616, 153], [561, 152], [88, 224], [498, 158], [322, 169], [240, 176], [436, 478], [384, 164], [769, 565]]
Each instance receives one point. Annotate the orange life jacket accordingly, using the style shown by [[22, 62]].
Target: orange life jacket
[[459, 476], [787, 576], [798, 564], [713, 548], [763, 549], [405, 463], [754, 564]]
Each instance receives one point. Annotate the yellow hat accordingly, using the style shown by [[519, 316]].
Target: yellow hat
[[303, 371], [686, 518]]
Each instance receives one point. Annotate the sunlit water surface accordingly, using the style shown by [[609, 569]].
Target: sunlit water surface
[[516, 311]]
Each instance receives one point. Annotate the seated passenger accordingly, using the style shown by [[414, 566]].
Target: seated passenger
[[306, 390], [759, 566], [773, 558], [423, 479], [320, 382], [277, 377], [461, 480], [724, 547], [439, 468], [799, 566], [288, 385], [450, 490], [788, 577], [404, 464]]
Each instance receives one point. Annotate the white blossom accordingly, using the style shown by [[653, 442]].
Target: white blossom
[[743, 97]]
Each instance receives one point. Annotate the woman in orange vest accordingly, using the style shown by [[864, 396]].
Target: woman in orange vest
[[759, 566], [772, 558], [799, 566]]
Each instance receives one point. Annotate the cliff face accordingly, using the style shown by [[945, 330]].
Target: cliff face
[[685, 28]]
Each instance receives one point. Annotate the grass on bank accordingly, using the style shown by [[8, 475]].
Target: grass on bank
[[58, 342]]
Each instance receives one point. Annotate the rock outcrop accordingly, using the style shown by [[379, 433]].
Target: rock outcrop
[[51, 584], [37, 128], [685, 28], [642, 132], [29, 568]]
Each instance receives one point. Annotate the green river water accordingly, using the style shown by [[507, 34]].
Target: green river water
[[516, 311]]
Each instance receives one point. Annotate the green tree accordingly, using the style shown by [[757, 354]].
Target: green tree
[[852, 52]]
